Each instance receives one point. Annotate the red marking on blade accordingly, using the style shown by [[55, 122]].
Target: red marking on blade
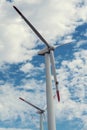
[[58, 95]]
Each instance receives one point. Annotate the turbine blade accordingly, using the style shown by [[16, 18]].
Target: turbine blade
[[41, 122], [58, 95], [31, 104], [45, 107], [32, 27], [54, 73], [44, 116], [57, 46]]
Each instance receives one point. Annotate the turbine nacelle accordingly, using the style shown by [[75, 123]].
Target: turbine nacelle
[[46, 50], [40, 112]]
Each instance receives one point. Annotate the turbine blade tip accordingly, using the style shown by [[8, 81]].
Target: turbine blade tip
[[21, 98], [14, 6], [58, 95]]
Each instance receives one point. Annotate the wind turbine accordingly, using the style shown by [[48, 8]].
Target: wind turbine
[[48, 52], [39, 111]]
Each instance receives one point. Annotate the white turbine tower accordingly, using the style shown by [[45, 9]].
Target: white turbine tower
[[48, 52], [39, 111]]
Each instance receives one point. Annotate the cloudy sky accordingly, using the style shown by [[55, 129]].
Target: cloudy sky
[[22, 70]]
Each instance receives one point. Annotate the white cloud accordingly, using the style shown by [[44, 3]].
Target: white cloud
[[15, 49], [27, 67]]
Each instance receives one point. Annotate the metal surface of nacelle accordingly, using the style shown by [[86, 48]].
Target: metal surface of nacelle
[[45, 50]]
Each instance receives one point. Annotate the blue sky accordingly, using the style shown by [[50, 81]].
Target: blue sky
[[22, 70]]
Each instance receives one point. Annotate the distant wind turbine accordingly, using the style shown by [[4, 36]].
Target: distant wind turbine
[[39, 111]]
